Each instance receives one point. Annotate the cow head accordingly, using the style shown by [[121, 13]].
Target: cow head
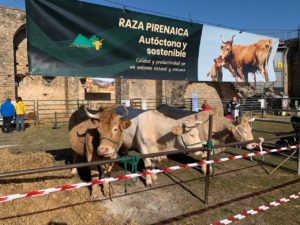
[[216, 68], [188, 134], [226, 48], [110, 126], [242, 131]]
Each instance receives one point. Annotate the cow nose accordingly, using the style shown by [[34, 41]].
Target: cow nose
[[102, 150]]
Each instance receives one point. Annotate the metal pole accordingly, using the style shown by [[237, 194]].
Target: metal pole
[[208, 158], [37, 113], [287, 158], [298, 155]]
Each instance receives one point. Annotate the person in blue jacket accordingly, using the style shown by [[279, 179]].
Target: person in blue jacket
[[8, 112]]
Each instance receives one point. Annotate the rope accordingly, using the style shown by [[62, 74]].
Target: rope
[[187, 145], [134, 164], [131, 176], [112, 141]]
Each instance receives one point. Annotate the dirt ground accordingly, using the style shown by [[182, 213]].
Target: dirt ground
[[176, 198], [68, 207]]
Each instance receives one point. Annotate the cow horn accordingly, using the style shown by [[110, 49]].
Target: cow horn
[[126, 110], [252, 119], [92, 116], [232, 38], [223, 40]]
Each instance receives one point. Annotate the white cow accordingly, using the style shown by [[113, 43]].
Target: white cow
[[152, 132]]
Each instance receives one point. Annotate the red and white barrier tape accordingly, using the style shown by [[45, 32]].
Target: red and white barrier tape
[[256, 210], [133, 175]]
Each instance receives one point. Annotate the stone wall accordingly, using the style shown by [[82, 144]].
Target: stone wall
[[14, 66], [10, 21], [204, 92]]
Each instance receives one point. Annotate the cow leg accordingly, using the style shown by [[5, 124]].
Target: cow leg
[[106, 187], [266, 73], [76, 159], [231, 70], [262, 71], [203, 167], [153, 176], [95, 188], [240, 73], [147, 163]]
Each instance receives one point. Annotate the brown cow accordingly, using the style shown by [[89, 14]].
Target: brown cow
[[216, 72], [242, 59], [225, 131], [94, 137]]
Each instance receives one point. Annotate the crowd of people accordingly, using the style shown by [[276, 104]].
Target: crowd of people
[[10, 112]]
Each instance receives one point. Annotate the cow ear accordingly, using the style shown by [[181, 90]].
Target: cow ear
[[93, 123], [231, 127], [177, 130], [125, 123], [88, 124], [82, 128], [252, 119]]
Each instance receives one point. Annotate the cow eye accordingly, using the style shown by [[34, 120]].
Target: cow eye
[[115, 129]]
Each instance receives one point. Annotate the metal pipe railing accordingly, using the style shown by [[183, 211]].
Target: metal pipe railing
[[80, 165], [275, 121]]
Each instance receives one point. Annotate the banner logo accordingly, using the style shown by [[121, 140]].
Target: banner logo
[[90, 43]]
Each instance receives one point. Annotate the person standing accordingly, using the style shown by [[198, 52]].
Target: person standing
[[232, 109], [20, 112], [206, 106], [8, 113]]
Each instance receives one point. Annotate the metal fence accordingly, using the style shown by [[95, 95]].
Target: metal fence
[[59, 111]]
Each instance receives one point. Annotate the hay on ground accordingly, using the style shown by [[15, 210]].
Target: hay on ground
[[68, 207]]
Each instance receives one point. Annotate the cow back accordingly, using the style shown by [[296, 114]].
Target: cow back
[[173, 112], [132, 113]]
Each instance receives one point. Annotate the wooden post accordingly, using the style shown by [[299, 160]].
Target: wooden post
[[208, 158], [55, 121]]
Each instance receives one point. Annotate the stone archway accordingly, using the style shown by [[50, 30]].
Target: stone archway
[[205, 91], [12, 21], [20, 56]]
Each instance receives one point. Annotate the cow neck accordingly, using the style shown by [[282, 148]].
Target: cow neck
[[170, 138]]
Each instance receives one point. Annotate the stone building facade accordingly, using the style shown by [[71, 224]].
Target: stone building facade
[[15, 80]]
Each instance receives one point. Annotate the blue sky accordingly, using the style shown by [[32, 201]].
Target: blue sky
[[275, 18]]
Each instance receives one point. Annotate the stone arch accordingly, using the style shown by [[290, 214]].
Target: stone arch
[[20, 55], [205, 91]]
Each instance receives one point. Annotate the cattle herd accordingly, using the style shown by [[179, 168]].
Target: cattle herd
[[99, 135], [241, 60]]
